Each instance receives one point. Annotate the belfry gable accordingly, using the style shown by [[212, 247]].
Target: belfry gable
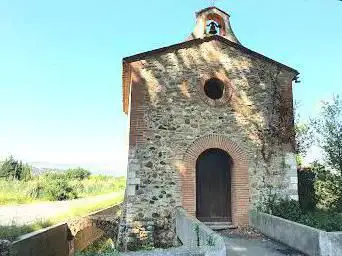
[[126, 75]]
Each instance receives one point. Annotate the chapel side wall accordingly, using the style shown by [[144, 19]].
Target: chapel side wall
[[149, 215], [168, 114]]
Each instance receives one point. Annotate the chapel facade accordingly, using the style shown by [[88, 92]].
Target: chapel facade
[[211, 130]]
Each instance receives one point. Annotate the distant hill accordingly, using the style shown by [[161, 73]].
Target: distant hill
[[39, 168], [40, 171]]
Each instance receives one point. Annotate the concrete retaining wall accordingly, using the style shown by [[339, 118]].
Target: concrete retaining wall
[[63, 240], [49, 241], [193, 233], [331, 243], [306, 239], [66, 238]]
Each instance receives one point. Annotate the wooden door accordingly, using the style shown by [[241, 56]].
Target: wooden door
[[213, 186]]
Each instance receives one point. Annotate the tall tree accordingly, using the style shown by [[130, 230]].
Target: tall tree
[[8, 168], [304, 136], [329, 130], [14, 169]]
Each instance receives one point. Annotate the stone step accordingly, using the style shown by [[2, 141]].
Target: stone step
[[219, 225]]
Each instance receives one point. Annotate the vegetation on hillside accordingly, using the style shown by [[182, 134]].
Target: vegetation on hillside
[[18, 185]]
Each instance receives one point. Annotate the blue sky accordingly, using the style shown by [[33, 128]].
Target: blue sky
[[60, 65]]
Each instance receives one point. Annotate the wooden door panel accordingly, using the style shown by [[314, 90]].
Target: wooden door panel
[[213, 199]]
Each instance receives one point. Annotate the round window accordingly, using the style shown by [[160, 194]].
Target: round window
[[214, 88]]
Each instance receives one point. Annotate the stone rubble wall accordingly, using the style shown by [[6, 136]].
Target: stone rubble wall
[[86, 230], [169, 111], [4, 247], [195, 238]]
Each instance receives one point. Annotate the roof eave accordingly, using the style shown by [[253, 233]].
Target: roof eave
[[143, 55]]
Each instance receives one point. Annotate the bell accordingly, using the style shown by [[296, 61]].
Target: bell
[[212, 29], [213, 26]]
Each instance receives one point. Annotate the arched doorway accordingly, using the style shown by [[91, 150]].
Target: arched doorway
[[213, 186]]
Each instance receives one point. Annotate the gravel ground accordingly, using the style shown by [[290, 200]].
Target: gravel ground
[[30, 213]]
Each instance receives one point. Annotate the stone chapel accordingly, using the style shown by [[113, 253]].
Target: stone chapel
[[211, 130]]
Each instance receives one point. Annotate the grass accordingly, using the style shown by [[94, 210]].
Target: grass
[[14, 192], [79, 211], [38, 189], [98, 184], [13, 232]]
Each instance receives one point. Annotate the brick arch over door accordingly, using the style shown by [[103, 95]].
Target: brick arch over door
[[239, 176]]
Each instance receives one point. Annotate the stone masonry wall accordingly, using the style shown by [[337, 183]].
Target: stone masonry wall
[[169, 111]]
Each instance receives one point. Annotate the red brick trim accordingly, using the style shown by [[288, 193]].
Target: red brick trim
[[239, 182], [138, 101]]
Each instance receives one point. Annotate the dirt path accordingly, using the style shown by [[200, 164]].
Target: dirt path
[[30, 213]]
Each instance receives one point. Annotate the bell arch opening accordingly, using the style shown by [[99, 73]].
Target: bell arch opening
[[213, 186], [219, 27]]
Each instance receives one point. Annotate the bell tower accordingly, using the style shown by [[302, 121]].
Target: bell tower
[[211, 20]]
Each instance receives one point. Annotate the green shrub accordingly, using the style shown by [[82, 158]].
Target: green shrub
[[328, 221], [306, 189], [78, 173], [328, 188], [320, 219], [287, 209], [35, 190], [60, 190], [53, 175]]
